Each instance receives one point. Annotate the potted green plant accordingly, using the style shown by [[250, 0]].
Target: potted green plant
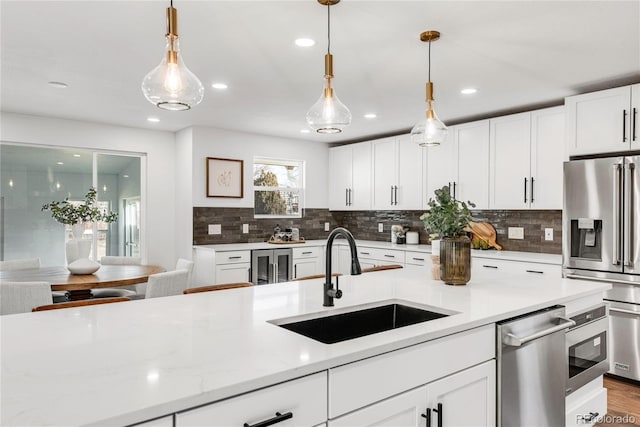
[[446, 220], [72, 214]]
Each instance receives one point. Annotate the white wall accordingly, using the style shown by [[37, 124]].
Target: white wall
[[210, 142], [160, 217], [184, 193]]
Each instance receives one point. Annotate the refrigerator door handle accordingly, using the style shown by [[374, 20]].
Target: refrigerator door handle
[[630, 169], [617, 212]]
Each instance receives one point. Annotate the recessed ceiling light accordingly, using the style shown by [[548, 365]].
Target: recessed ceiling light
[[76, 155], [370, 116], [59, 85], [153, 119], [219, 86], [468, 91], [305, 42], [304, 131], [59, 163]]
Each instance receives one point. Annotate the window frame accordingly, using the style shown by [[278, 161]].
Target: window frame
[[299, 191]]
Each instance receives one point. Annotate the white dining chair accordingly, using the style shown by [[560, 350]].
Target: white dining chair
[[185, 264], [167, 284], [22, 297], [121, 291], [28, 263]]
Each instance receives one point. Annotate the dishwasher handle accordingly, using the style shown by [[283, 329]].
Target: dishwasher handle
[[515, 341]]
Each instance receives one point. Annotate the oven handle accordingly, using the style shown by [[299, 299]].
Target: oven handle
[[515, 341], [622, 310]]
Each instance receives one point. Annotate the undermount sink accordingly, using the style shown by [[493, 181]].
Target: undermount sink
[[360, 321]]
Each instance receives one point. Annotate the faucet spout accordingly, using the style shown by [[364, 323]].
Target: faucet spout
[[329, 292]]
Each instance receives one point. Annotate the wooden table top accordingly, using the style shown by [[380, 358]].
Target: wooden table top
[[108, 276]]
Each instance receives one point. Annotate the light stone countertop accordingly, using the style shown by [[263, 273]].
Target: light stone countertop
[[117, 364], [541, 258]]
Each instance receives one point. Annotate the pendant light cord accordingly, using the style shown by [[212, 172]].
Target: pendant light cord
[[429, 60], [328, 27]]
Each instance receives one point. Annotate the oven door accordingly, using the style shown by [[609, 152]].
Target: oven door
[[587, 353]]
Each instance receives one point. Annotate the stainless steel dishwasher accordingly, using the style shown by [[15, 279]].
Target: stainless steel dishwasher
[[533, 369]]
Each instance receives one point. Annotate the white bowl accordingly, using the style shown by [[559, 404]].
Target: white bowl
[[83, 266]]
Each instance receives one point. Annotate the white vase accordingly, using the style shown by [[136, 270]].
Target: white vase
[[77, 249], [78, 230]]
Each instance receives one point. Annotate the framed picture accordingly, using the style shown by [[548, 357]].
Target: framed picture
[[225, 178]]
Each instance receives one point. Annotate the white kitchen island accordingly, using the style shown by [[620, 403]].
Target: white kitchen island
[[120, 364]]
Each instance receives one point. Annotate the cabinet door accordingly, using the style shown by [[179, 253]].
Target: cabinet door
[[385, 162], [404, 410], [635, 117], [409, 194], [441, 166], [510, 172], [361, 169], [232, 273], [472, 144], [468, 398], [306, 267], [547, 136], [339, 177], [599, 122]]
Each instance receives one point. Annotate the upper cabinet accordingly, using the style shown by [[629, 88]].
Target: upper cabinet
[[350, 177], [526, 160], [462, 164], [604, 121], [397, 174]]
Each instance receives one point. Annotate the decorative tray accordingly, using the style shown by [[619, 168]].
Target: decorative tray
[[285, 242]]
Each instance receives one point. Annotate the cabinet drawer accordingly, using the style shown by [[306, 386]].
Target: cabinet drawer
[[588, 411], [390, 256], [486, 265], [312, 252], [305, 398], [233, 257], [417, 258], [394, 372]]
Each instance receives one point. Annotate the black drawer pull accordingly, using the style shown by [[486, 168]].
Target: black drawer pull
[[234, 257], [490, 266], [390, 256], [307, 253], [418, 259], [365, 253], [535, 271], [592, 416], [271, 421]]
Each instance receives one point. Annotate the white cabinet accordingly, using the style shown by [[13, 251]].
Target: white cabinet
[[397, 173], [526, 160], [350, 177], [497, 268], [300, 402], [307, 261], [465, 399], [233, 267], [603, 121], [373, 257], [420, 261], [462, 164]]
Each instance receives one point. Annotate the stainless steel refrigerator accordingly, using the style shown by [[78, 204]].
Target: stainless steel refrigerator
[[601, 241]]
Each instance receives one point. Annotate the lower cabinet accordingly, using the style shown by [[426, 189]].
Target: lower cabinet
[[300, 402], [307, 261], [494, 268], [465, 399], [233, 267]]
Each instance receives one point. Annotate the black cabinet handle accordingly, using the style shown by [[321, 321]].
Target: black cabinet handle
[[535, 271], [525, 190], [490, 266], [271, 421], [454, 190], [390, 256], [531, 189], [633, 124], [418, 259], [234, 257], [427, 416], [295, 270], [395, 189], [307, 253], [592, 416], [350, 201], [624, 125], [439, 412], [346, 197], [365, 253]]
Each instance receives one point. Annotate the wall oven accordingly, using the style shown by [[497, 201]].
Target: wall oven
[[587, 347]]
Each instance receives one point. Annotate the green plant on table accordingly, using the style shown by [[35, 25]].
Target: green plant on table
[[447, 217], [66, 212]]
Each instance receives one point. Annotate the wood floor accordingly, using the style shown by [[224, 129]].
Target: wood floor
[[623, 401]]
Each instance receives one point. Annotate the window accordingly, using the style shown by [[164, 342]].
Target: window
[[278, 188]]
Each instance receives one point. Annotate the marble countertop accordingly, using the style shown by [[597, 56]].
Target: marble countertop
[[118, 364], [492, 254]]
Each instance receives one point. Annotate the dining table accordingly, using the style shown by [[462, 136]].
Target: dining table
[[79, 285]]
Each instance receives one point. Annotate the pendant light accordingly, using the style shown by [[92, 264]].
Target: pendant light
[[328, 115], [171, 86], [430, 131]]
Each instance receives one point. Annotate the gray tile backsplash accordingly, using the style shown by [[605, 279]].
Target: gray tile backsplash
[[364, 225]]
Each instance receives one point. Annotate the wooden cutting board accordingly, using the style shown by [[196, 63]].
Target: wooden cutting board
[[486, 232]]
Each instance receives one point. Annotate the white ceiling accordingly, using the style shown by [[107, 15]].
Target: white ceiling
[[518, 54]]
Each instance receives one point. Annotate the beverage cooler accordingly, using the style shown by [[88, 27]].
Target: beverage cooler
[[271, 266]]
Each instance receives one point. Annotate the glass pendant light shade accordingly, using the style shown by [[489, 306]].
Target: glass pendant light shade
[[328, 114], [430, 131], [171, 85]]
